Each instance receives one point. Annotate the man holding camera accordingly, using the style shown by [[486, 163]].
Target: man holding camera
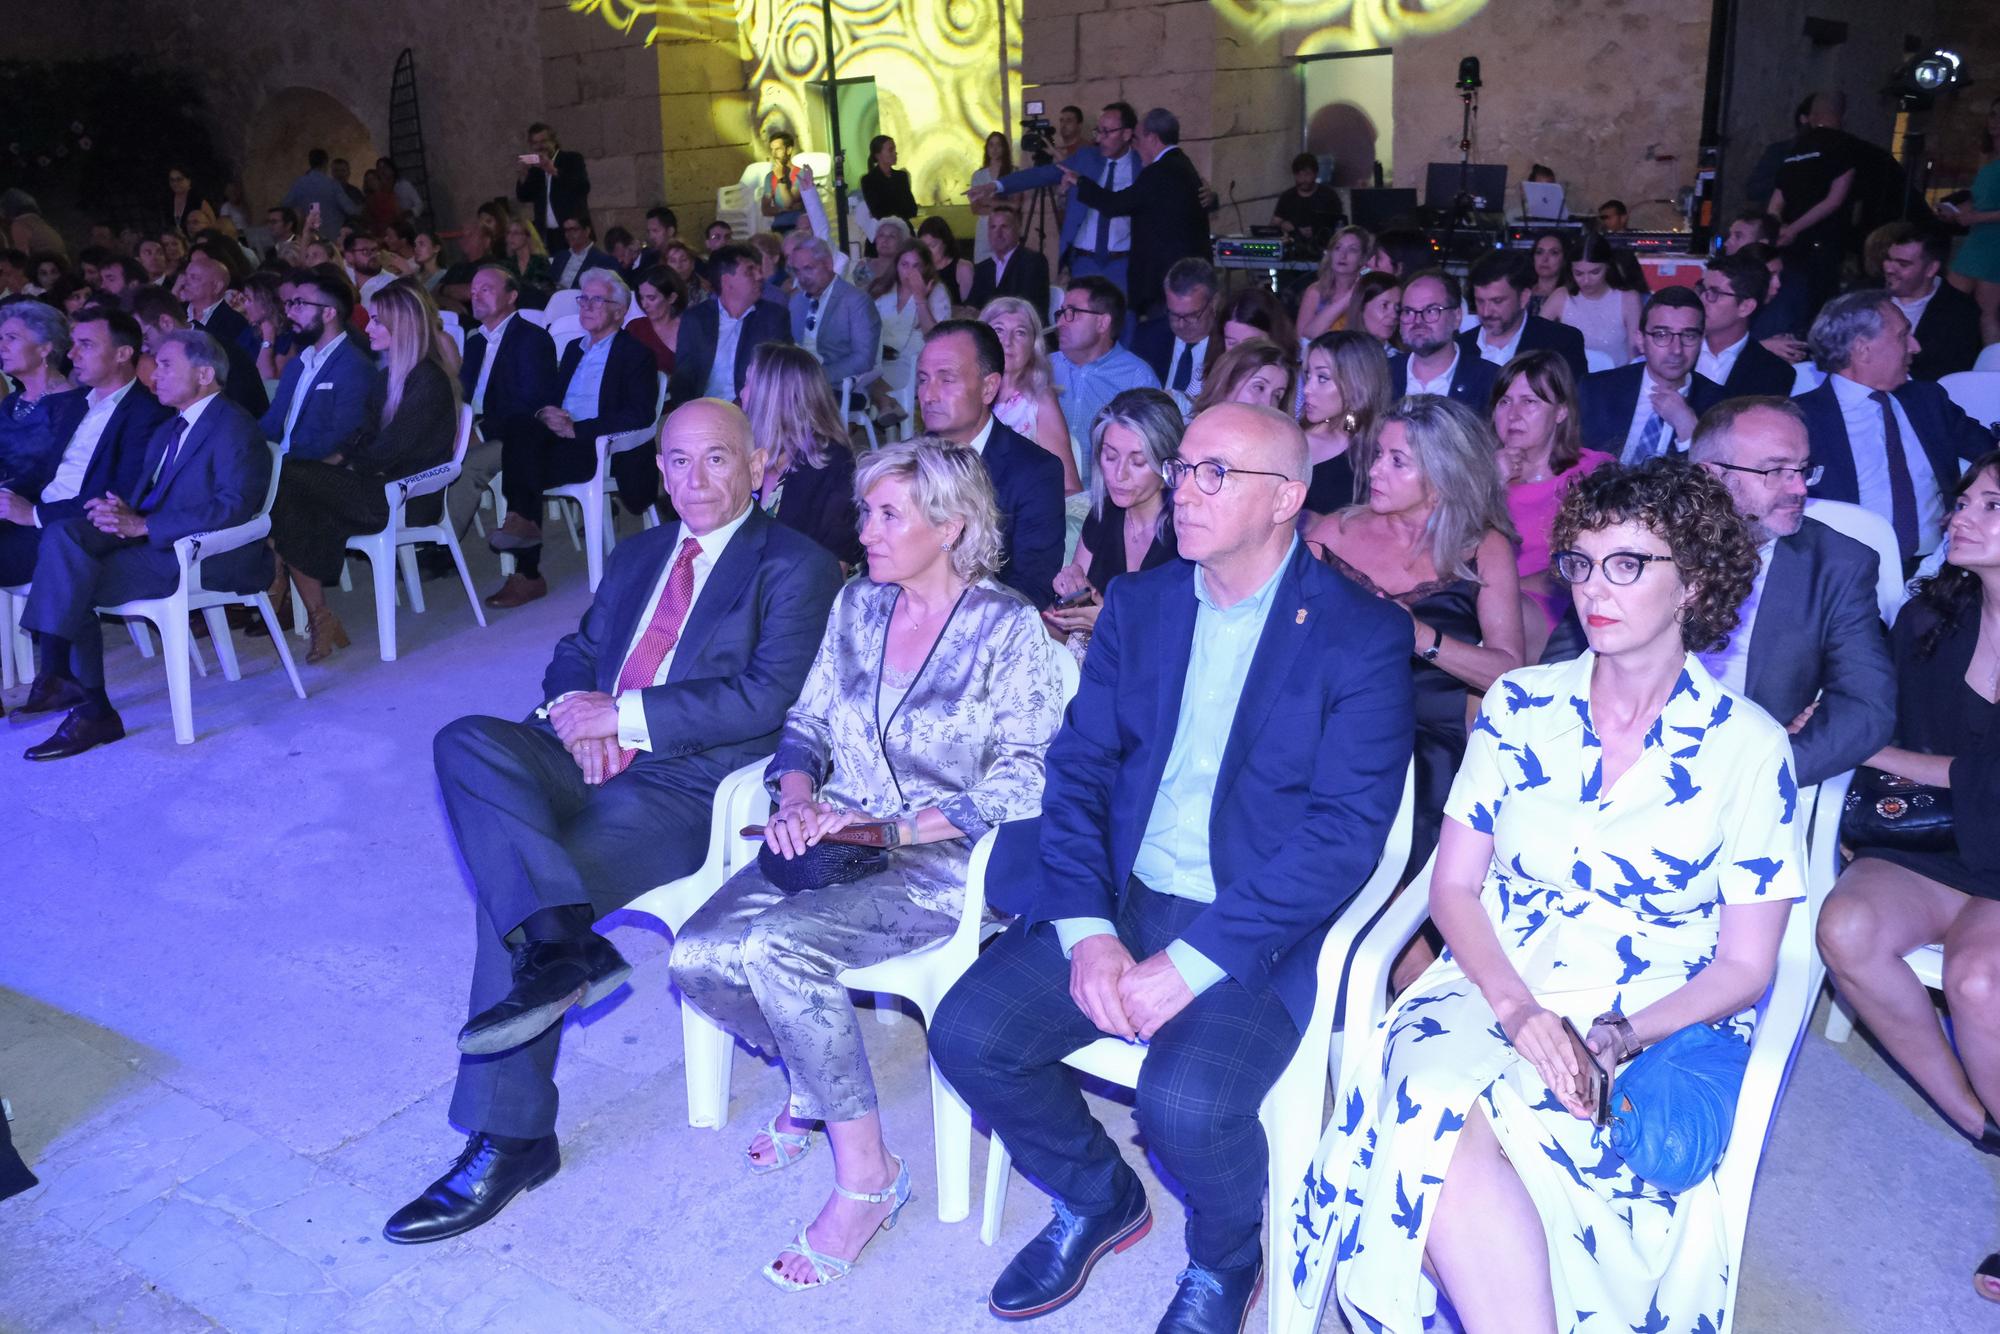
[[553, 182]]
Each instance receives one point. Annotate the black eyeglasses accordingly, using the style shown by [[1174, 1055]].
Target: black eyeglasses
[[294, 302], [1428, 314], [1077, 312], [1809, 473], [1208, 474], [1620, 567], [1668, 337]]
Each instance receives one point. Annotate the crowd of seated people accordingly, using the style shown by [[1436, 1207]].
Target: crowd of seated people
[[1519, 518]]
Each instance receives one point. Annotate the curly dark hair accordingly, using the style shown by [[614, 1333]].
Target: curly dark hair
[[1952, 592], [1689, 510]]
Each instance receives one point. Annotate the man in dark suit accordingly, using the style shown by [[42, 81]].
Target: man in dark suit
[[160, 312], [204, 285], [831, 317], [1091, 243], [1169, 221], [1809, 645], [508, 374], [1946, 319], [555, 185], [607, 382], [1434, 361], [1732, 292], [958, 378], [1224, 783], [1881, 439], [579, 254], [693, 648], [1012, 269], [717, 336], [1177, 346], [1649, 408], [322, 399], [1500, 283], [207, 467], [103, 428]]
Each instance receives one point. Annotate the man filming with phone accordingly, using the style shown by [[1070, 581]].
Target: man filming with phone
[[552, 181]]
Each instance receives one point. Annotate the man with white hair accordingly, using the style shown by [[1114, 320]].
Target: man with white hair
[[831, 318], [607, 382], [1883, 440]]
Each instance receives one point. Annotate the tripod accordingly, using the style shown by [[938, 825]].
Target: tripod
[[1462, 209], [1035, 218]]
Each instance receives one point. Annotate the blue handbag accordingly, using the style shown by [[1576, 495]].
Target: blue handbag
[[1673, 1105]]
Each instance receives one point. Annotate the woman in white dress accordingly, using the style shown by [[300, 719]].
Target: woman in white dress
[[909, 310], [1620, 850], [1607, 317]]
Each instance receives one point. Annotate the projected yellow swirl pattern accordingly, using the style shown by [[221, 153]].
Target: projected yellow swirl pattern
[[936, 62]]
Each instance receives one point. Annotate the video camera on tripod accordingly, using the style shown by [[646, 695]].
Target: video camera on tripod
[[1037, 132]]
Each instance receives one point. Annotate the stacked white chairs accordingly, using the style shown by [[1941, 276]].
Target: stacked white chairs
[[169, 614], [396, 542]]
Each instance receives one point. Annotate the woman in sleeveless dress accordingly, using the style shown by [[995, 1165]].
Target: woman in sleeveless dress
[[1607, 318]]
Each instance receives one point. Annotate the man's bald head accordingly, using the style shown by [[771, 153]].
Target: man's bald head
[[1252, 512], [710, 463], [204, 282]]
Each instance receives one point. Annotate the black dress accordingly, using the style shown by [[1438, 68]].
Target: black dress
[[1450, 605], [1332, 485], [1937, 713], [889, 196], [819, 502], [1104, 534]]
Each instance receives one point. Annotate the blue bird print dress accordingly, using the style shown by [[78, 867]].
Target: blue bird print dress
[[1600, 899]]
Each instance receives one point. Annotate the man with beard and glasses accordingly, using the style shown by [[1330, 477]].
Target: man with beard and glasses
[[1433, 360], [322, 399]]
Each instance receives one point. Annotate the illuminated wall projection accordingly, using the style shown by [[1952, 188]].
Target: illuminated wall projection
[[1347, 25], [936, 66]]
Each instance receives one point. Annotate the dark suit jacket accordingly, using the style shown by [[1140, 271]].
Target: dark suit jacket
[[1471, 380], [523, 380], [217, 479], [336, 409], [1607, 400], [1027, 481], [593, 258], [1947, 335], [1948, 437], [1168, 223], [118, 462], [1758, 370], [819, 502], [245, 387], [1309, 781], [1819, 635], [568, 195], [1540, 335], [229, 326], [742, 656], [694, 346], [1027, 277], [627, 394]]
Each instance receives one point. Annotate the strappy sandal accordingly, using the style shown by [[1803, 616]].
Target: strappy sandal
[[1985, 1279], [786, 1149], [830, 1268]]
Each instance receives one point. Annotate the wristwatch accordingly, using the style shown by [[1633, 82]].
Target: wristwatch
[[1437, 642], [1621, 1033]]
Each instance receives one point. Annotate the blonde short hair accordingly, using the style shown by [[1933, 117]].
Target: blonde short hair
[[949, 484]]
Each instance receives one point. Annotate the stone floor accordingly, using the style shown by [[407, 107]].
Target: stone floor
[[230, 974]]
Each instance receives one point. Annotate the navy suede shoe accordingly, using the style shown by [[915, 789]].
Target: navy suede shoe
[[1213, 1301], [1051, 1270]]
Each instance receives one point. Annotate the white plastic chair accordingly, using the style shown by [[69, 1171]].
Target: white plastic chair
[[592, 496], [538, 318], [561, 305], [1595, 360], [1871, 529], [1293, 1113], [737, 205], [1977, 392], [1988, 358], [397, 541], [169, 614], [1926, 961], [17, 651], [740, 800], [852, 416], [564, 330]]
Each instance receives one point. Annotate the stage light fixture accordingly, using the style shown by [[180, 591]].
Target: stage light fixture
[[1930, 72]]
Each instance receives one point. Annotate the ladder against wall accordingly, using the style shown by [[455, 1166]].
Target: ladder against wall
[[406, 129]]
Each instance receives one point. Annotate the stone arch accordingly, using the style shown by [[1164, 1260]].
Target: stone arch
[[290, 123]]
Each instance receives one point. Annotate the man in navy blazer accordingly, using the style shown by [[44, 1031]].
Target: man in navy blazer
[[1091, 243], [579, 253], [606, 792], [733, 322], [1434, 360], [1947, 320], [607, 382], [322, 401], [1649, 408], [958, 378], [103, 430], [507, 375], [1500, 284], [206, 468], [831, 317], [1224, 782], [1164, 204], [159, 311], [1012, 269], [1882, 440], [1732, 291]]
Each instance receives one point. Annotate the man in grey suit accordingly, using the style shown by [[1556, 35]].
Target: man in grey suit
[[694, 646], [1808, 646], [833, 319]]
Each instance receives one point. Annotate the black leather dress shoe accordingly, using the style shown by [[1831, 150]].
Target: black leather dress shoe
[[78, 734], [49, 694], [1051, 1270], [1212, 1301], [549, 977], [477, 1187]]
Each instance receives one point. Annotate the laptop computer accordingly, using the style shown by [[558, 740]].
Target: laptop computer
[[1542, 201]]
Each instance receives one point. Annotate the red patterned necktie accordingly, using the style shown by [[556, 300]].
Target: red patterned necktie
[[642, 664]]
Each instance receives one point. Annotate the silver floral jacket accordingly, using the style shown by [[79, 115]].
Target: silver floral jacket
[[968, 738]]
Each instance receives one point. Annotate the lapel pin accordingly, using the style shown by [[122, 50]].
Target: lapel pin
[[1300, 619]]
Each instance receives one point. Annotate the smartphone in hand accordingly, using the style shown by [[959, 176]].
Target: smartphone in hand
[[1596, 1082], [1077, 599]]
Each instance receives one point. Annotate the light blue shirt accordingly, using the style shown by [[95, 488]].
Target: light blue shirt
[[580, 399], [1174, 857], [1085, 389]]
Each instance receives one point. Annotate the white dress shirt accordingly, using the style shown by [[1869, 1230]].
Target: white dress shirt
[[633, 734], [1863, 418], [1914, 310], [572, 268], [189, 414], [1198, 351], [1439, 385], [722, 371], [310, 360], [1731, 662], [1000, 264], [1503, 353], [1643, 414], [1717, 365], [978, 442], [82, 446], [493, 337], [1120, 239]]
